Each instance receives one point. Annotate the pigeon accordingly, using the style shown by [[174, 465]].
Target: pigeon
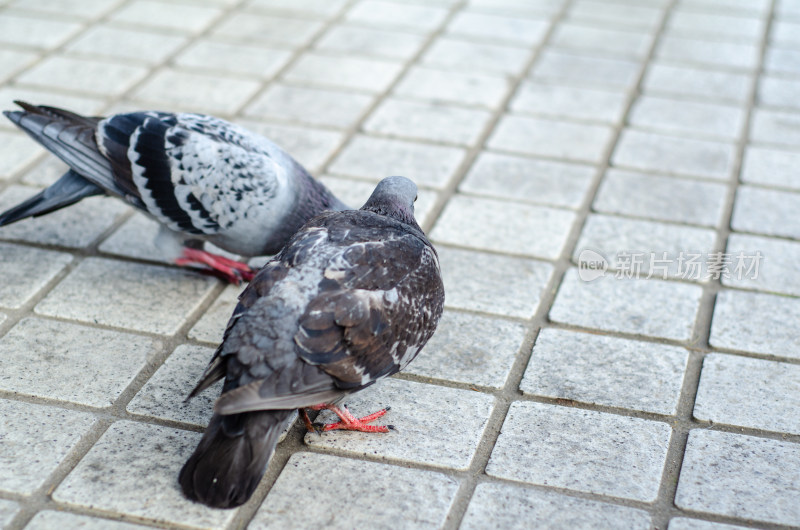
[[352, 298], [200, 177]]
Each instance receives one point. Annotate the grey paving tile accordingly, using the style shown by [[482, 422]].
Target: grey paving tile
[[99, 78], [526, 179], [180, 18], [416, 18], [475, 56], [470, 349], [779, 92], [700, 83], [782, 60], [36, 439], [646, 249], [652, 307], [687, 118], [124, 44], [551, 138], [25, 271], [351, 73], [367, 41], [775, 271], [135, 239], [675, 156], [518, 7], [758, 8], [468, 88], [70, 362], [661, 198], [720, 24], [435, 425], [111, 477], [775, 127], [749, 392], [513, 507], [770, 167], [765, 211], [787, 9], [622, 14], [494, 284], [322, 8], [500, 28], [17, 151], [709, 53], [682, 523], [314, 106], [129, 295], [740, 476], [212, 324], [427, 121], [12, 61], [267, 29], [569, 102], [421, 499], [76, 226], [785, 33], [586, 70], [606, 371], [370, 158], [761, 323], [8, 509], [74, 8], [601, 40], [195, 92], [164, 393], [41, 33], [47, 519], [245, 59], [44, 173], [502, 226], [583, 450]]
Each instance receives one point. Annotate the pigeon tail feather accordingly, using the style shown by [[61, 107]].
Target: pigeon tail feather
[[67, 190], [230, 460]]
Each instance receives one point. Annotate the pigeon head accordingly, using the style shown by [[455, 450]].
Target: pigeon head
[[394, 197]]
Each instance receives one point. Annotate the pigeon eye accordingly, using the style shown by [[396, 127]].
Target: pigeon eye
[[415, 198]]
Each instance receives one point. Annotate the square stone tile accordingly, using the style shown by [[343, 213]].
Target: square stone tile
[[211, 326], [530, 180], [709, 53], [17, 151], [601, 40], [267, 29], [761, 323], [36, 439], [661, 198], [421, 499], [775, 127], [682, 523], [44, 173], [196, 92], [41, 33], [74, 8], [135, 239], [75, 226], [784, 33], [245, 59], [370, 158], [740, 476], [71, 363], [470, 349], [696, 83], [501, 28], [765, 211], [606, 371], [494, 284], [586, 70], [128, 295], [502, 226], [475, 56], [719, 24], [776, 271], [435, 425], [25, 270], [749, 392], [451, 87], [778, 92], [47, 519], [12, 61], [428, 121], [415, 18], [164, 393], [177, 17], [581, 450], [309, 105], [757, 8], [569, 102], [536, 9], [687, 118], [355, 40], [350, 73], [133, 470], [125, 44], [634, 15], [98, 78], [653, 308], [674, 156], [782, 60], [551, 138], [320, 8], [8, 510], [515, 508]]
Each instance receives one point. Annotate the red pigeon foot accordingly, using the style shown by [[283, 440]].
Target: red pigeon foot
[[228, 269], [348, 421]]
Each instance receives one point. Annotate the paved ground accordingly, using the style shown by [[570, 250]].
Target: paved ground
[[650, 146]]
